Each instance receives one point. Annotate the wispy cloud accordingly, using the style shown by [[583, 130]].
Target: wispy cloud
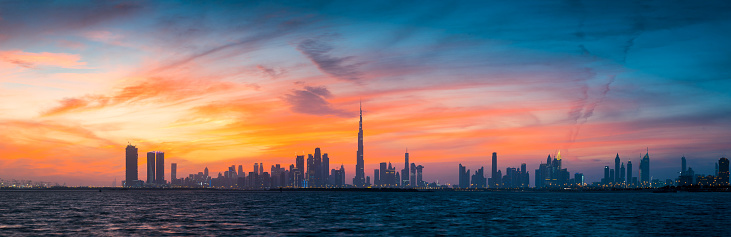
[[342, 68], [312, 100]]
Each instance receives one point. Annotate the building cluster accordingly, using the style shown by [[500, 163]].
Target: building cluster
[[513, 178], [689, 178], [622, 177], [388, 177], [155, 169]]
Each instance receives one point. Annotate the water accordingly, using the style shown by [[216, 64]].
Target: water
[[152, 213]]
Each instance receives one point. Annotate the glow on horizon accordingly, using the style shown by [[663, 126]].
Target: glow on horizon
[[238, 83]]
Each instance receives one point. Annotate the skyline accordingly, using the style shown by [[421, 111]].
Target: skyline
[[237, 83]]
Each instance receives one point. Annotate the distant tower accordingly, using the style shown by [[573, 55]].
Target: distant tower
[[256, 168], [605, 180], [723, 171], [359, 179], [494, 175], [151, 167], [160, 169], [131, 162], [616, 169], [205, 172], [174, 172], [325, 169], [645, 170], [629, 173], [682, 165], [405, 172]]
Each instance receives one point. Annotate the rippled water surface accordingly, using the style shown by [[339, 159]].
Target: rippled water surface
[[151, 213]]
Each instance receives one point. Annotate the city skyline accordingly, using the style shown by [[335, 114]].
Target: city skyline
[[241, 82]]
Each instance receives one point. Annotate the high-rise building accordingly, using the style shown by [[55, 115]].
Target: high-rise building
[[261, 168], [723, 171], [151, 167], [464, 177], [579, 178], [376, 177], [478, 179], [173, 172], [318, 169], [419, 180], [412, 179], [256, 168], [382, 174], [682, 165], [494, 175], [405, 172], [241, 171], [359, 179], [622, 173], [311, 171], [325, 169], [160, 169], [630, 179], [605, 180], [616, 170], [299, 173], [131, 166], [645, 170]]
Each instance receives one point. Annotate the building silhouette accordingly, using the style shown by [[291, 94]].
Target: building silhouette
[[630, 180], [494, 176], [645, 171], [131, 157], [464, 177], [160, 169], [405, 173], [359, 180], [174, 172], [723, 171], [478, 179], [151, 167], [616, 179]]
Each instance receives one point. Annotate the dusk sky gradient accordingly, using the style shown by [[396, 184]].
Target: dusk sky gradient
[[215, 85]]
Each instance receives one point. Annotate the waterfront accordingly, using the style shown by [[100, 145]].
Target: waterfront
[[200, 212]]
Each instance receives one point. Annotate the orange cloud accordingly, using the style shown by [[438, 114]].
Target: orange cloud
[[34, 60]]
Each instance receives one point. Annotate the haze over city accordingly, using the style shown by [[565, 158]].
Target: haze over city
[[243, 83]]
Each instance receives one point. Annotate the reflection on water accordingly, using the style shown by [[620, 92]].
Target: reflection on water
[[169, 212]]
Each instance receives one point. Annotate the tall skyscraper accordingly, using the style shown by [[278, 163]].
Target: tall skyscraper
[[605, 180], [261, 168], [256, 168], [629, 173], [645, 170], [151, 167], [241, 171], [412, 179], [723, 171], [325, 169], [382, 174], [300, 172], [419, 180], [317, 169], [405, 172], [359, 179], [131, 166], [376, 177], [160, 169], [682, 166], [464, 177], [311, 171], [494, 175], [174, 172], [616, 170], [622, 173]]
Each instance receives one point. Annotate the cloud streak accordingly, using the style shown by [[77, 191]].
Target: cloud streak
[[342, 68]]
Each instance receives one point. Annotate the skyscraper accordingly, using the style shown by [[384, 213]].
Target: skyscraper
[[325, 169], [299, 174], [645, 170], [622, 173], [405, 172], [174, 172], [629, 173], [616, 170], [160, 169], [382, 174], [464, 177], [317, 169], [151, 167], [723, 171], [359, 179], [682, 166], [494, 175], [376, 177], [605, 180], [131, 166], [256, 168]]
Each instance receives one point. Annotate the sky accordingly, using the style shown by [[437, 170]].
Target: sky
[[234, 83]]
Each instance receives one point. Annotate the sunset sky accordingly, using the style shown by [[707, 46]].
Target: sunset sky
[[215, 85]]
